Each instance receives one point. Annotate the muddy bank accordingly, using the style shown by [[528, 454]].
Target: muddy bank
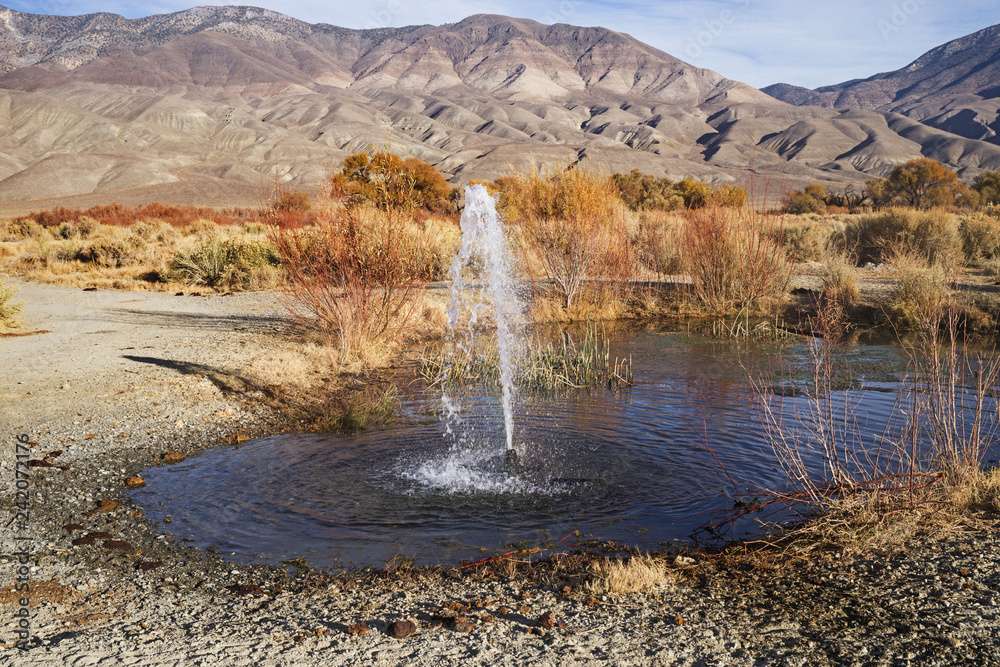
[[122, 378]]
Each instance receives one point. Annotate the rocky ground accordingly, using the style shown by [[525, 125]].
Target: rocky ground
[[119, 379]]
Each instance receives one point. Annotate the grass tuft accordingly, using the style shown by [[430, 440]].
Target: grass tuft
[[638, 574]]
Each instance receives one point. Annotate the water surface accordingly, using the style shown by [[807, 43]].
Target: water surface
[[646, 466]]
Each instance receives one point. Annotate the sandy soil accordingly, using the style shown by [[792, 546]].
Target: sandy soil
[[121, 378]]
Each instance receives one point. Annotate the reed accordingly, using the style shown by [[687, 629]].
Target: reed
[[545, 367]]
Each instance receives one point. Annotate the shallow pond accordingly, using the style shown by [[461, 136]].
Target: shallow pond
[[655, 463]]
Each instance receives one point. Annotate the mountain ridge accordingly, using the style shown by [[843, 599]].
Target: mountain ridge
[[214, 104]]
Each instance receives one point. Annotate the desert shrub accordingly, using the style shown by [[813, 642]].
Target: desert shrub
[[658, 244], [980, 237], [733, 261], [391, 183], [643, 192], [988, 187], [9, 311], [728, 196], [232, 264], [922, 292], [803, 240], [573, 221], [350, 277], [152, 231], [805, 201], [20, 229], [201, 228], [111, 251], [840, 282], [933, 235], [695, 193]]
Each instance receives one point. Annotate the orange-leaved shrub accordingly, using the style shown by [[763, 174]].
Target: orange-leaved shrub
[[573, 222], [392, 183]]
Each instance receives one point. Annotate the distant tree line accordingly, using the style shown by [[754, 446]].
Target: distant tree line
[[922, 183]]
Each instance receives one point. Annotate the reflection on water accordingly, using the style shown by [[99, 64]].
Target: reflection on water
[[646, 466]]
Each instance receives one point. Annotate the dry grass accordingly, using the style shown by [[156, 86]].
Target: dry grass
[[9, 311], [922, 292], [980, 493], [638, 574], [840, 281]]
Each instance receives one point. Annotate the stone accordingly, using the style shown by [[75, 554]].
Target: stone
[[134, 482], [402, 629], [118, 545], [358, 629], [172, 457], [106, 505]]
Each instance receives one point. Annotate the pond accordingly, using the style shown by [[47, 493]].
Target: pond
[[649, 465]]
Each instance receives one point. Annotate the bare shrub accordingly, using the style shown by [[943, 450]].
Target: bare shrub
[[880, 489], [733, 262], [350, 277]]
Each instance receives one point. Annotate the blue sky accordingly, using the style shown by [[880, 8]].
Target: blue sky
[[756, 41]]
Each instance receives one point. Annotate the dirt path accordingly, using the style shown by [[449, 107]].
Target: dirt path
[[120, 378]]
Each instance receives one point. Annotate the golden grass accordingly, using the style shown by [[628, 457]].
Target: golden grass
[[9, 310], [638, 574], [979, 493]]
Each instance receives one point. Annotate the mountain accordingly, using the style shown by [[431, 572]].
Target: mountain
[[954, 87], [213, 104]]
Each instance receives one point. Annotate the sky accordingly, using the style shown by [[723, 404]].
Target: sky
[[756, 41]]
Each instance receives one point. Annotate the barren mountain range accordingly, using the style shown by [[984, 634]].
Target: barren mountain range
[[213, 104]]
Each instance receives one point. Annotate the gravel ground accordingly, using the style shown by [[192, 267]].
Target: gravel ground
[[121, 378]]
